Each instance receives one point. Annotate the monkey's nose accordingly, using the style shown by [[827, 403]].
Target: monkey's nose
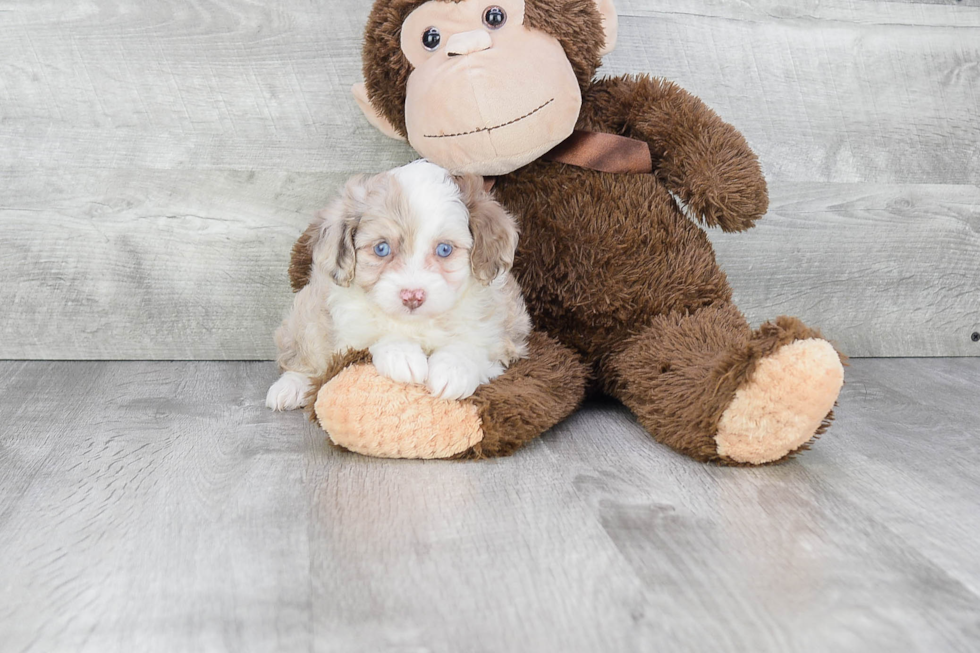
[[477, 40], [412, 299]]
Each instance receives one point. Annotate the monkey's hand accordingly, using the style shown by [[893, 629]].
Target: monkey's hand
[[696, 154]]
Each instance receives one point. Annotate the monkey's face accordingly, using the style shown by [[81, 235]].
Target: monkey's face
[[487, 94]]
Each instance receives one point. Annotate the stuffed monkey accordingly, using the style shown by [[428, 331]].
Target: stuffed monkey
[[623, 288]]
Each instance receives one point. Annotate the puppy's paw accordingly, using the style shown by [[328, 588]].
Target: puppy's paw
[[288, 392], [404, 362], [452, 376]]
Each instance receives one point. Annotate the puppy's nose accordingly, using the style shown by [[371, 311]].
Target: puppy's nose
[[413, 298]]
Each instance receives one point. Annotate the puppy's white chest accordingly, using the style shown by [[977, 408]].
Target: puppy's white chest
[[360, 329]]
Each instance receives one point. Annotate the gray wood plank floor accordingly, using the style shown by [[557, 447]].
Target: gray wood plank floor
[[159, 507]]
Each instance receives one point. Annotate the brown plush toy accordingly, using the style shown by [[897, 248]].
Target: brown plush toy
[[623, 288]]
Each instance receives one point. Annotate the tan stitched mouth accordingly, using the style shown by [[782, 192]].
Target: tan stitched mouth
[[490, 129]]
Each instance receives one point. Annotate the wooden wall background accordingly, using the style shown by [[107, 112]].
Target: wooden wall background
[[158, 158]]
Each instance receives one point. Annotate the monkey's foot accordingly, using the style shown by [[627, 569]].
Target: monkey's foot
[[783, 405], [372, 415]]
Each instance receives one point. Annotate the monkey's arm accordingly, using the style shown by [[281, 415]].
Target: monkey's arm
[[697, 155]]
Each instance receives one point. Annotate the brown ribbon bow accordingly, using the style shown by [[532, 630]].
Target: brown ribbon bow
[[611, 153]]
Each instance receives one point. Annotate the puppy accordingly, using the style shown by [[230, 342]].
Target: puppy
[[414, 266]]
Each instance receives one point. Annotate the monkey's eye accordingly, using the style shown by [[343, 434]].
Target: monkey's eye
[[431, 38], [444, 250], [382, 249], [494, 17]]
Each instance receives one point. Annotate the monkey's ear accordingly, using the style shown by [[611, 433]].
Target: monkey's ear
[[373, 116], [494, 231], [610, 24]]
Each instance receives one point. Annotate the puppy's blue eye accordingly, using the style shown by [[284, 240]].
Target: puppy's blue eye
[[382, 249], [444, 250]]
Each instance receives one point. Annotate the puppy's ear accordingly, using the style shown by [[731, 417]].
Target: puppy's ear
[[333, 247], [301, 259], [494, 231]]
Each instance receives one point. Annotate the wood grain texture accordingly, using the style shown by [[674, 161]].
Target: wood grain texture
[[843, 92], [157, 159], [160, 507], [880, 269], [149, 264]]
